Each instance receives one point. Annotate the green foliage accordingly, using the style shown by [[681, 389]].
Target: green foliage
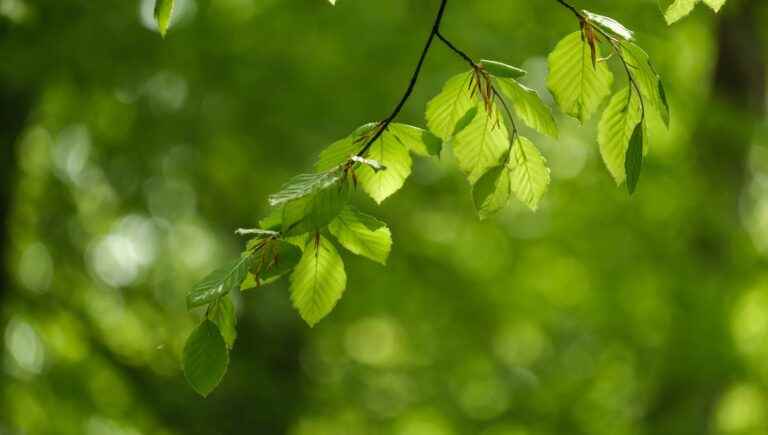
[[446, 110], [482, 144], [634, 159], [578, 84], [219, 283], [647, 80], [529, 172], [391, 153], [674, 10], [205, 358], [223, 315], [163, 13], [529, 107], [492, 191], [362, 234], [615, 130], [318, 281], [502, 70]]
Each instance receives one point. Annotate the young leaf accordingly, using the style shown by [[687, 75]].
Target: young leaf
[[610, 25], [674, 10], [205, 358], [502, 70], [618, 123], [223, 315], [634, 159], [219, 283], [318, 281], [362, 234], [388, 151], [647, 79], [492, 191], [305, 185], [577, 85], [341, 150], [529, 107], [313, 212], [163, 13], [446, 110], [715, 4], [482, 144], [417, 140], [529, 173], [272, 259]]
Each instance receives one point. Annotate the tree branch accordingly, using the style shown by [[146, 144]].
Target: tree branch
[[414, 78]]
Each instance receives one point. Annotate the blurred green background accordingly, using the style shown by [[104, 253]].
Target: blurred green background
[[127, 162]]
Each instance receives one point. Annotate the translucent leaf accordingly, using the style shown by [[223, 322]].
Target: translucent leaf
[[417, 140], [205, 358], [219, 283], [163, 13], [391, 153], [610, 25], [634, 159], [272, 260], [502, 70], [529, 107], [312, 212], [362, 234], [305, 185], [341, 150], [318, 281], [492, 191], [449, 107], [576, 84], [716, 5], [647, 80], [529, 173], [616, 128], [674, 10], [482, 144], [223, 315]]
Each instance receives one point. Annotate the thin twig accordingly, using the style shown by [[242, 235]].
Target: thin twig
[[414, 78]]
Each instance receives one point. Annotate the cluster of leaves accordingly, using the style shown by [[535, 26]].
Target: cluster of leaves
[[674, 10], [476, 116]]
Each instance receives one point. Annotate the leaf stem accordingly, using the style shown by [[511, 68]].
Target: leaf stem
[[412, 84]]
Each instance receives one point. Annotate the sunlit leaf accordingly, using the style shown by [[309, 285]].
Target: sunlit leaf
[[362, 234], [502, 70], [615, 130], [577, 85], [205, 358], [305, 185], [341, 150], [610, 25], [318, 281], [395, 157], [417, 140], [492, 191], [529, 173], [529, 107], [716, 5], [647, 80], [449, 107], [674, 10], [314, 211], [163, 14], [482, 144]]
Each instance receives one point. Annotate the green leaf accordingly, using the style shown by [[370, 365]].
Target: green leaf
[[223, 315], [362, 234], [219, 283], [492, 191], [529, 107], [387, 150], [502, 70], [610, 25], [417, 140], [318, 281], [449, 107], [716, 5], [205, 358], [163, 13], [578, 87], [482, 144], [529, 173], [305, 185], [332, 2], [647, 80], [634, 159], [272, 259], [615, 130], [340, 151], [273, 221], [674, 10], [313, 212]]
